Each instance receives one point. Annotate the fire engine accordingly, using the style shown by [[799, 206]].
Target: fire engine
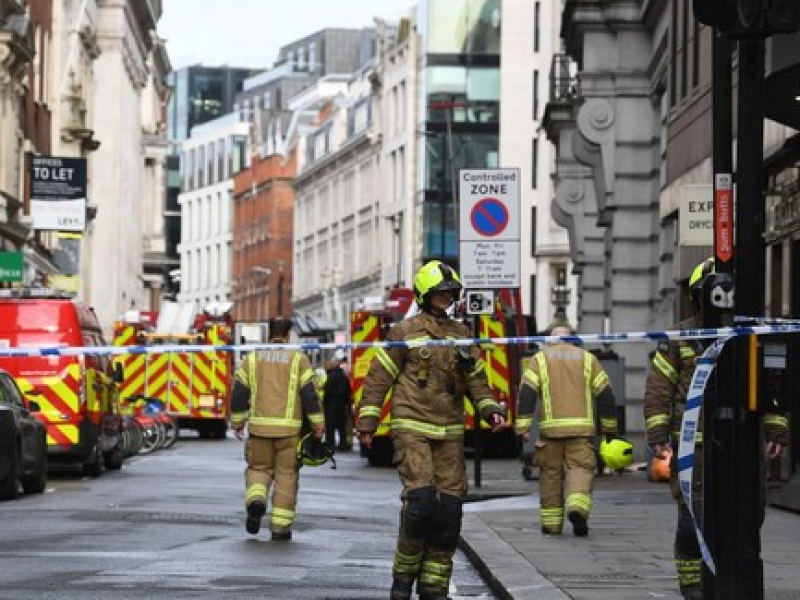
[[504, 366], [195, 387]]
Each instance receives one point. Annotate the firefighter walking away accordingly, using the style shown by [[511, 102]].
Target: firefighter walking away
[[428, 385], [568, 381], [273, 393]]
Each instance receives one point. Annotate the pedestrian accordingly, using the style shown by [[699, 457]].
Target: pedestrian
[[338, 395], [666, 389], [428, 383], [274, 392], [571, 384]]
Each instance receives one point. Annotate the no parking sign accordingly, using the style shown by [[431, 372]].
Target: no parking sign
[[489, 231]]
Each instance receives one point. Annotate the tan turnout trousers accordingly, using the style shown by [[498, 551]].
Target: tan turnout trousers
[[561, 461], [272, 464]]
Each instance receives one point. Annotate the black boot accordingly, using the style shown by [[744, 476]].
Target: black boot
[[401, 590], [579, 526], [255, 510]]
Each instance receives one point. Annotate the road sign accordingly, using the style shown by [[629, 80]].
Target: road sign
[[480, 302], [489, 228]]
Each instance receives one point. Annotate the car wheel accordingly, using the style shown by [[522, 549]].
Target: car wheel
[[9, 487], [37, 483], [113, 460], [94, 466]]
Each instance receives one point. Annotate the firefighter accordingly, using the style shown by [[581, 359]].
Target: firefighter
[[428, 384], [569, 381], [273, 393], [666, 389]]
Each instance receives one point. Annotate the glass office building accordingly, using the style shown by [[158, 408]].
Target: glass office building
[[461, 103]]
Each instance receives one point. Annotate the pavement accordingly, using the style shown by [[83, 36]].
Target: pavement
[[628, 552]]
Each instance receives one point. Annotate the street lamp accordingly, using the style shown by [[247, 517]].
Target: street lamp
[[560, 298]]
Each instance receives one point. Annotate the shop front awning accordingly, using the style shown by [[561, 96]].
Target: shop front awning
[[306, 325]]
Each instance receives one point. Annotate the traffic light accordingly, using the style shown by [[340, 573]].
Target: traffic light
[[749, 18]]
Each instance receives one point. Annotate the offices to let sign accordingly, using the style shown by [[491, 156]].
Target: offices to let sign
[[489, 228]]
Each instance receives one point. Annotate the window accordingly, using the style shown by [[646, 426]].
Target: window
[[536, 95], [533, 231], [469, 95], [210, 178], [537, 24], [535, 163], [463, 27], [312, 56], [221, 174]]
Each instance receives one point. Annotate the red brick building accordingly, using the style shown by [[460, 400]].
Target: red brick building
[[263, 217]]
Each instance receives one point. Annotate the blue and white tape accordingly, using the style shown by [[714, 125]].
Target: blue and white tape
[[588, 339], [689, 426]]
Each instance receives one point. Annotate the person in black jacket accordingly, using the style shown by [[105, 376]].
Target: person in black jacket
[[337, 398]]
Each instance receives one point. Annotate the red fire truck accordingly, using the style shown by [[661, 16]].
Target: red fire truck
[[195, 387], [504, 365]]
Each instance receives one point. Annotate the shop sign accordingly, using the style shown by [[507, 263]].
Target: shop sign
[[12, 266]]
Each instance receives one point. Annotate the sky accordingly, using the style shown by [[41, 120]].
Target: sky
[[249, 33]]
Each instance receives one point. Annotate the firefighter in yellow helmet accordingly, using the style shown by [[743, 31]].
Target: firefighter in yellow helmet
[[666, 389], [428, 384], [568, 381], [274, 391]]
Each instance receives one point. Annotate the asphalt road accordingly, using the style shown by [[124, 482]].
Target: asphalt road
[[171, 525]]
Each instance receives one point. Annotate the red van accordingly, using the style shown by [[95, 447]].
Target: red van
[[77, 395]]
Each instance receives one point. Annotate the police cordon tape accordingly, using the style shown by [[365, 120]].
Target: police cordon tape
[[688, 435], [694, 400], [773, 327]]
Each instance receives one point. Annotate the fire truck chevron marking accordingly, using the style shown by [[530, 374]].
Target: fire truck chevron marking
[[62, 434]]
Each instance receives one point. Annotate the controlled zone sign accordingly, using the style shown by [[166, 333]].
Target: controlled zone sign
[[489, 232]]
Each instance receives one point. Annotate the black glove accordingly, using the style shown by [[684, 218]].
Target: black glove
[[466, 361]]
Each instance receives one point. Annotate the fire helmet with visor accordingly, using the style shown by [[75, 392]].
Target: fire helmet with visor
[[435, 276], [697, 276]]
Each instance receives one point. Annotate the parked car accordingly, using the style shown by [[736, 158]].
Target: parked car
[[23, 442]]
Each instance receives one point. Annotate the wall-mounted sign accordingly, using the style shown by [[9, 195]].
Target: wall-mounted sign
[[12, 266], [58, 193], [696, 217]]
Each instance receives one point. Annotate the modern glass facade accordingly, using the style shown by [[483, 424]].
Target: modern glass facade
[[461, 96], [201, 94]]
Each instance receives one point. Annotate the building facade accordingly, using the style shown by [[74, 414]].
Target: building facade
[[529, 41], [608, 127], [24, 127], [199, 94], [214, 153]]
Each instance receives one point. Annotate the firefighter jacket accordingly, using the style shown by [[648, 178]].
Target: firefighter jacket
[[428, 382], [569, 380], [668, 384], [274, 391]]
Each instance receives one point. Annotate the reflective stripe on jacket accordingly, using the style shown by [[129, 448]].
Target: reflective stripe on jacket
[[275, 379], [428, 382], [568, 380]]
